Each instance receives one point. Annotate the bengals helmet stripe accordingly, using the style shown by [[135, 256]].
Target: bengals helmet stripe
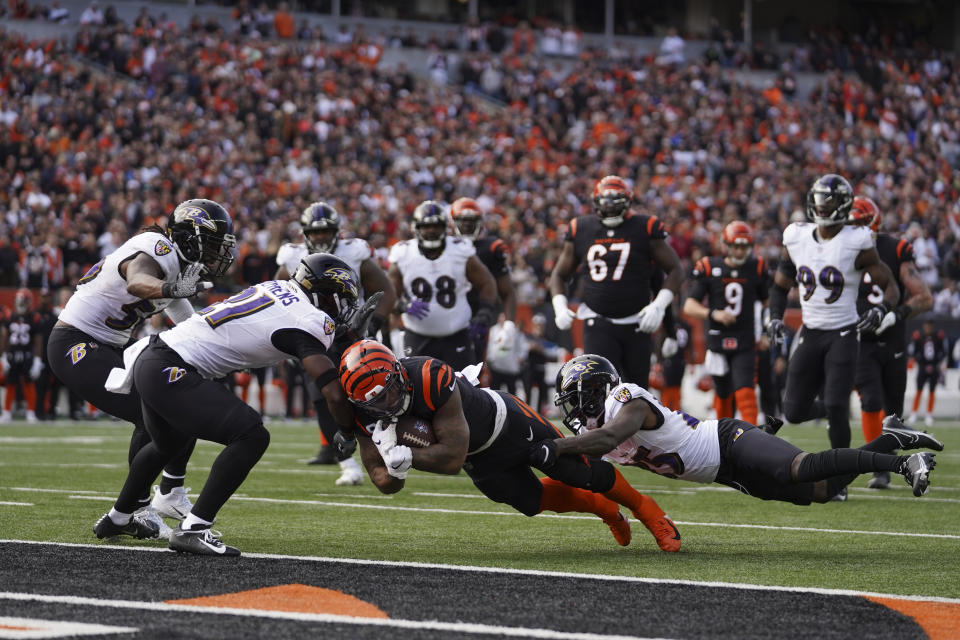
[[865, 213], [371, 375]]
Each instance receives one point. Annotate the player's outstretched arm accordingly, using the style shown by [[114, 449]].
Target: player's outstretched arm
[[376, 469], [634, 416]]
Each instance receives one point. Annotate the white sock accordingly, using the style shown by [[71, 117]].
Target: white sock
[[119, 518], [191, 520]]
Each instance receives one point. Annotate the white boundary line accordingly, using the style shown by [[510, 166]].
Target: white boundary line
[[523, 572], [452, 627]]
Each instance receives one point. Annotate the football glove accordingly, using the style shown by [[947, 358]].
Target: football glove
[[871, 318], [669, 348], [344, 444], [36, 368], [418, 308], [776, 332], [563, 314], [543, 454], [384, 436], [650, 317], [187, 284], [398, 461], [889, 319], [361, 322]]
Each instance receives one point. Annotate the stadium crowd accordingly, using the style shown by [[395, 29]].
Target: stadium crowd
[[106, 132]]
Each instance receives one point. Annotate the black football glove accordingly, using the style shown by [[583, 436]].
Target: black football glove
[[543, 454], [344, 445], [776, 332], [872, 318]]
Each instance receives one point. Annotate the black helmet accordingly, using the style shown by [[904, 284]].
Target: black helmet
[[320, 216], [330, 283], [430, 213], [829, 200], [201, 230], [583, 384]]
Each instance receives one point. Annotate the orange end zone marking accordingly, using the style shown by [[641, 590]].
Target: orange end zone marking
[[12, 628], [939, 620], [299, 598]]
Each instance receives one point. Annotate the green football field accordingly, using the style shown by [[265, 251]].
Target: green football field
[[57, 478]]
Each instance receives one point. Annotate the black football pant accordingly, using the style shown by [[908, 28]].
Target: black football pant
[[502, 472], [180, 405], [824, 359], [882, 376], [456, 350], [627, 348], [82, 363]]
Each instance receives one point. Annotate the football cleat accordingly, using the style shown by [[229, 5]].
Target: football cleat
[[910, 438], [773, 425], [138, 527], [665, 532], [841, 496], [620, 528], [175, 504], [916, 469], [324, 456], [880, 480], [149, 514], [350, 476], [204, 542]]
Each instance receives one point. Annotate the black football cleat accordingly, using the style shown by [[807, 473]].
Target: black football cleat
[[772, 426], [326, 455], [908, 437], [916, 469], [203, 542], [138, 527]]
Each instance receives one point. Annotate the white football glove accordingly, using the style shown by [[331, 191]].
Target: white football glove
[[188, 283], [651, 315], [889, 319], [384, 436], [36, 368], [564, 315], [669, 347], [398, 461]]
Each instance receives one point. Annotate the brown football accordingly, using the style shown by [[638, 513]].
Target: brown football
[[415, 432]]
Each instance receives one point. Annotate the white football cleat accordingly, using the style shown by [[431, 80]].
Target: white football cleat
[[350, 473], [5, 417], [928, 421], [175, 504], [31, 417], [149, 514]]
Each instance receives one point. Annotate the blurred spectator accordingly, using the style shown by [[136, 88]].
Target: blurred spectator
[[92, 15], [57, 13], [506, 355], [283, 22], [671, 48]]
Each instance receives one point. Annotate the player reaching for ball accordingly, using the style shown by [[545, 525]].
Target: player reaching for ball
[[486, 433]]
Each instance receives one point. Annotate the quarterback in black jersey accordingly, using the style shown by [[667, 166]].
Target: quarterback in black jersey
[[732, 285], [492, 251], [882, 364], [488, 434], [617, 251]]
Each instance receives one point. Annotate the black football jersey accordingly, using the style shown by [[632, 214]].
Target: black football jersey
[[433, 383], [21, 330], [735, 289], [894, 252], [492, 252], [929, 351], [615, 262]]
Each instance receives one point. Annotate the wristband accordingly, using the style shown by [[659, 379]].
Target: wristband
[[166, 290]]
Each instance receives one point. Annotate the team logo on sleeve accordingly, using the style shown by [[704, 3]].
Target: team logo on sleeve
[[162, 248], [328, 326], [174, 374], [623, 396]]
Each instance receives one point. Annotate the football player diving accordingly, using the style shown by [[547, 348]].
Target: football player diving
[[155, 270], [486, 433], [624, 423]]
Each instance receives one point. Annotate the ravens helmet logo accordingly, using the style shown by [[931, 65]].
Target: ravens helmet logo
[[199, 217], [343, 276]]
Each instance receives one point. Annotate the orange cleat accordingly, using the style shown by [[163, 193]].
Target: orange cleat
[[666, 533], [620, 528]]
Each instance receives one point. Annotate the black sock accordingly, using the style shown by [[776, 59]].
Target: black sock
[[886, 443], [167, 483], [838, 417], [844, 463]]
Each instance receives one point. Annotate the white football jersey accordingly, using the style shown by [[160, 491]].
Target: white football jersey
[[682, 447], [827, 279], [101, 305], [235, 334], [442, 283], [353, 251]]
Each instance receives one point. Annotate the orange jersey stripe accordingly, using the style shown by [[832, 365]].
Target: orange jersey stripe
[[425, 376], [652, 221], [900, 246]]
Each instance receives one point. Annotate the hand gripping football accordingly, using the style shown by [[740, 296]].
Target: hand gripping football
[[415, 432]]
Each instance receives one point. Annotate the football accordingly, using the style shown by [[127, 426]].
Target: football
[[415, 432]]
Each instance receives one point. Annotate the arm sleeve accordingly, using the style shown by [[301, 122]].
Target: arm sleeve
[[297, 343], [179, 310]]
